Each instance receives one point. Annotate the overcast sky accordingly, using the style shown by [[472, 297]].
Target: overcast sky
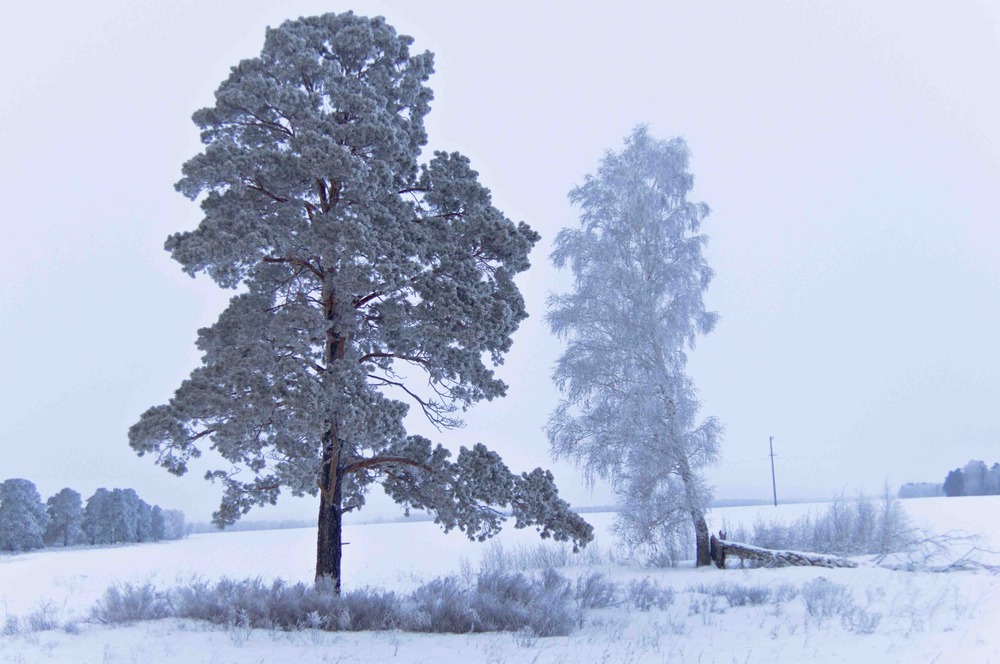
[[850, 152]]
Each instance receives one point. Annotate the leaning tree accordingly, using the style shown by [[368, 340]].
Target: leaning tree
[[629, 409], [368, 282]]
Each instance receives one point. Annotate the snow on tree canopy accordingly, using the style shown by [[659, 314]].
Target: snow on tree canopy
[[629, 410], [359, 267], [23, 518]]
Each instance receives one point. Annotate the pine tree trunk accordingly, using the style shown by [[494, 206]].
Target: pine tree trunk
[[702, 545], [329, 545]]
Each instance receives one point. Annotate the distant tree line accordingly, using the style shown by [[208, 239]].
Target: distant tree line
[[921, 490], [109, 517], [973, 479], [244, 526]]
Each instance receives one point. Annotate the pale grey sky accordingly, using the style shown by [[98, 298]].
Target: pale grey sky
[[850, 152]]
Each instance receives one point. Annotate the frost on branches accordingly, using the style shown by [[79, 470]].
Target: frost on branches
[[369, 283], [629, 412]]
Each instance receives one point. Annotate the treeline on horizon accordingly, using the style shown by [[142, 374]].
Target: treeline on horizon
[[972, 479], [109, 517]]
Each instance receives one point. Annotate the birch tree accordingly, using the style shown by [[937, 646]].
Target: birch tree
[[369, 283], [629, 411]]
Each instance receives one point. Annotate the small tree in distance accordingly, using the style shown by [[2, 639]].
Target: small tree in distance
[[371, 282], [954, 483], [629, 410]]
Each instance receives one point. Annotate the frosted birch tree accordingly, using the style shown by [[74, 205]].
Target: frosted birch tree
[[629, 411], [369, 283]]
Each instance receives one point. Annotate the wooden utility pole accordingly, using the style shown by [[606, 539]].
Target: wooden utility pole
[[774, 487]]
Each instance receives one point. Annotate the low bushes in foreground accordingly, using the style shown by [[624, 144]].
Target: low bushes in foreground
[[496, 602]]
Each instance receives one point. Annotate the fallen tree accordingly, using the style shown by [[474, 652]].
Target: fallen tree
[[721, 548]]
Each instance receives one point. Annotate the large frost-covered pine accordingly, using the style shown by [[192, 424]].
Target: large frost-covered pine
[[23, 518], [629, 411], [65, 510], [369, 283]]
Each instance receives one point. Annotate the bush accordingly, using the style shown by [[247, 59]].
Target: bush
[[595, 591], [252, 603], [42, 619], [824, 599], [499, 602], [860, 621], [738, 594], [370, 609], [495, 602], [646, 594], [126, 604], [442, 605]]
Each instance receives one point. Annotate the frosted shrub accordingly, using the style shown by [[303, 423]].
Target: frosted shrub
[[785, 592], [498, 603], [646, 594], [126, 604], [253, 603], [737, 594], [442, 605], [512, 603], [370, 609], [824, 599], [494, 602], [42, 619], [595, 591], [861, 621]]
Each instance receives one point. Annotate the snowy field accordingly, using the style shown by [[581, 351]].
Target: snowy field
[[894, 617]]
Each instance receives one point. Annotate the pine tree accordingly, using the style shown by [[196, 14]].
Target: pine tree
[[23, 518], [65, 510], [976, 476], [629, 410], [954, 483], [144, 522], [157, 524], [363, 276], [124, 515], [98, 515]]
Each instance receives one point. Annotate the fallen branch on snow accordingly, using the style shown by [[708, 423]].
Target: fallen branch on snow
[[721, 548]]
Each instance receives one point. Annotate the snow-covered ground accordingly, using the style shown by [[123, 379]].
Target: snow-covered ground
[[911, 616]]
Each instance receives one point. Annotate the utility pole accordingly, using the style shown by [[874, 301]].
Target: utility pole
[[774, 487]]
